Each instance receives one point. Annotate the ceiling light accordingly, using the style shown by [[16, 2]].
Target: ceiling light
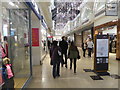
[[11, 3], [17, 6]]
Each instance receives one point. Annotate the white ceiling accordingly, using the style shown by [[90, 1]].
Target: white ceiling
[[44, 8]]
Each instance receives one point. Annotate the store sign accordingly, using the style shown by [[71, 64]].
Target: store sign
[[101, 53], [111, 9], [35, 36]]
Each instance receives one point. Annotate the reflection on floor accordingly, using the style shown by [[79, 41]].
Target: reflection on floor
[[19, 82], [22, 75], [42, 75]]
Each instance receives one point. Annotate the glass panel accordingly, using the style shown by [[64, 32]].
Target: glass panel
[[15, 27], [19, 42]]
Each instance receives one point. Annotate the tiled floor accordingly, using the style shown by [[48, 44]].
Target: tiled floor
[[42, 75], [19, 82]]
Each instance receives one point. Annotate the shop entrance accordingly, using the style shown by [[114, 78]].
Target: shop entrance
[[19, 41], [112, 32], [16, 34]]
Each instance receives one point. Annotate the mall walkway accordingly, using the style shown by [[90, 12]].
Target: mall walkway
[[42, 76]]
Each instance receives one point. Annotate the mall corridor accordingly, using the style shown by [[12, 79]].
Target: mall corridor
[[30, 28], [42, 75]]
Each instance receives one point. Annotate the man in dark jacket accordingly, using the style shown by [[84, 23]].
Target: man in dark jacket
[[64, 46]]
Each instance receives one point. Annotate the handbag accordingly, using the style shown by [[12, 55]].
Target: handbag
[[78, 57], [51, 62]]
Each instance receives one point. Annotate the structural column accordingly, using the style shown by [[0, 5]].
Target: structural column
[[118, 41], [36, 53], [118, 35]]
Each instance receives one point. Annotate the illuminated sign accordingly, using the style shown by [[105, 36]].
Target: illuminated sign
[[111, 9]]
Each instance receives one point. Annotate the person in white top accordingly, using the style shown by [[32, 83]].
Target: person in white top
[[90, 47]]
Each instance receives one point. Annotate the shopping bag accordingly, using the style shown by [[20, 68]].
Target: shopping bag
[[51, 62]]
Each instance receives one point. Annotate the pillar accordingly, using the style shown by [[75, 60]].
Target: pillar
[[36, 50], [118, 35]]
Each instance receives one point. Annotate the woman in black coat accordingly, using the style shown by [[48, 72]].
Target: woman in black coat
[[55, 55]]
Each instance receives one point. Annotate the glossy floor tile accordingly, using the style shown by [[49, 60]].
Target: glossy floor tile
[[19, 82], [42, 75]]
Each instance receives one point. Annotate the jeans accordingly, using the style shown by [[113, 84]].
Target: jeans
[[64, 61], [56, 69], [89, 52], [84, 50], [74, 64]]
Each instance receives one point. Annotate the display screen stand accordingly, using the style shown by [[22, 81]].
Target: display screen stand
[[101, 57]]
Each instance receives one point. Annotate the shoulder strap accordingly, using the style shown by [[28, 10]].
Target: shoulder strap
[[3, 48]]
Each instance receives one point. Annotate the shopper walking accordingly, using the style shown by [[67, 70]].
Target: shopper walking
[[49, 44], [55, 54], [90, 47], [73, 54], [64, 46], [84, 47]]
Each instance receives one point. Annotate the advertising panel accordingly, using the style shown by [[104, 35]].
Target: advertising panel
[[102, 48], [35, 37], [101, 59]]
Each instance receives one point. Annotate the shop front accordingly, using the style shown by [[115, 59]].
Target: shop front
[[15, 39], [112, 32], [109, 28]]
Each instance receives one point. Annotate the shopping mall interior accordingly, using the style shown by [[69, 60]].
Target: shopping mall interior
[[30, 28]]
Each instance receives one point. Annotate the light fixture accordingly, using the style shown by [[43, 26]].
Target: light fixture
[[10, 22], [11, 3], [114, 20], [17, 6]]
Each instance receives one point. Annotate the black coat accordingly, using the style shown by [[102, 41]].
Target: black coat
[[64, 46], [54, 53], [84, 47]]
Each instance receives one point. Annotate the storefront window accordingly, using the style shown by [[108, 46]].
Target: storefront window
[[15, 33], [112, 32]]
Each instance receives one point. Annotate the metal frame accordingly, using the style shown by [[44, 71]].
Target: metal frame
[[30, 42]]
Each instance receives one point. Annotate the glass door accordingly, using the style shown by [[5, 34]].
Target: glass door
[[19, 46]]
